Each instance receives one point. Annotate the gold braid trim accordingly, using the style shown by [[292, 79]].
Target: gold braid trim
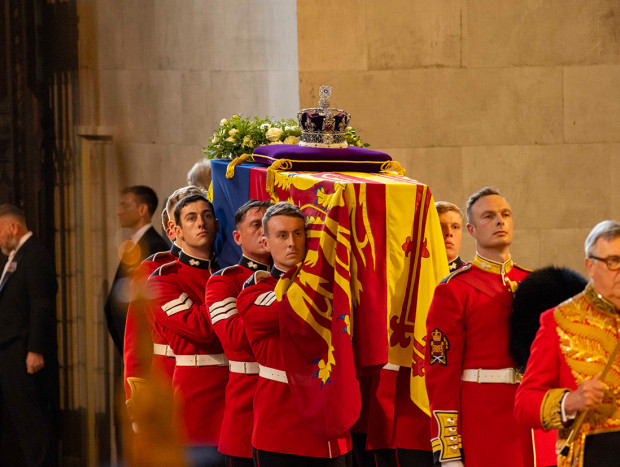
[[551, 409], [587, 328], [136, 386], [230, 170], [448, 442], [210, 192], [393, 166], [270, 178]]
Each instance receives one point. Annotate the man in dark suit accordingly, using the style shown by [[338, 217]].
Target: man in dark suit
[[28, 351], [137, 205]]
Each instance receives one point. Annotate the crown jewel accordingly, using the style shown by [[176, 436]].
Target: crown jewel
[[323, 127]]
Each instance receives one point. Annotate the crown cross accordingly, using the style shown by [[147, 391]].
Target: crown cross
[[325, 96]]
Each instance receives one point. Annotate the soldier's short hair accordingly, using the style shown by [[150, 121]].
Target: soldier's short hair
[[174, 198], [486, 191], [283, 208], [189, 200], [247, 207], [11, 210], [145, 195], [607, 230], [446, 206]]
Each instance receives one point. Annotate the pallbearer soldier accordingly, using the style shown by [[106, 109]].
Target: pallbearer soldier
[[280, 437], [221, 299], [137, 358], [451, 220], [201, 371], [470, 374]]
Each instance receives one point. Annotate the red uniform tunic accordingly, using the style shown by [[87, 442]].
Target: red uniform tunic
[[573, 344], [179, 288], [136, 366], [468, 328], [278, 424], [394, 420], [221, 300]]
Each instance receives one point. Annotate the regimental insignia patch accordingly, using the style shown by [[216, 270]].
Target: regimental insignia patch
[[439, 346]]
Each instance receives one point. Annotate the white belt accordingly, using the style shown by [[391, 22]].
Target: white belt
[[391, 367], [162, 349], [245, 368], [273, 374], [505, 375], [202, 360]]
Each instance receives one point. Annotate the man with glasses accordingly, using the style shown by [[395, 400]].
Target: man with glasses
[[572, 380]]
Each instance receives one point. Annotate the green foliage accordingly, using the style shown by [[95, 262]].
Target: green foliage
[[239, 135]]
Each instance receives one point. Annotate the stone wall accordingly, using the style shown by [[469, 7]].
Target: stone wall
[[521, 95], [160, 74]]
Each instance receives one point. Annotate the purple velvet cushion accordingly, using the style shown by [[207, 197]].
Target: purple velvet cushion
[[351, 159]]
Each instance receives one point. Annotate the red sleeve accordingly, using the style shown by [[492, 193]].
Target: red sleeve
[[136, 353], [262, 321], [174, 310], [444, 366], [541, 374], [221, 300], [135, 359]]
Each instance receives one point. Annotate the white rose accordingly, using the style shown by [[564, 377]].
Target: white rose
[[273, 134], [291, 140], [223, 121]]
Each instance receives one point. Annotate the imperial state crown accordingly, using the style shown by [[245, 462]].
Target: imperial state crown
[[323, 127]]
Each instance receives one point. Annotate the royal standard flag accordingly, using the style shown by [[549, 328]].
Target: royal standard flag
[[360, 298]]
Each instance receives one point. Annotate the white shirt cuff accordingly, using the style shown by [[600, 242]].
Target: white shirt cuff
[[565, 417]]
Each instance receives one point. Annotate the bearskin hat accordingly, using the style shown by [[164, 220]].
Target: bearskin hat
[[543, 289]]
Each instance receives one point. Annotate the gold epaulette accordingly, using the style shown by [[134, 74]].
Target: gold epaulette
[[462, 269], [448, 444]]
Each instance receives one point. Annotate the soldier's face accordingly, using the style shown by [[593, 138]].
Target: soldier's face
[[286, 241], [198, 227], [491, 223], [8, 238], [452, 231], [605, 282], [249, 234]]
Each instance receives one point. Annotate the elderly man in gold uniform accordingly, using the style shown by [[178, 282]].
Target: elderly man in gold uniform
[[572, 380]]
